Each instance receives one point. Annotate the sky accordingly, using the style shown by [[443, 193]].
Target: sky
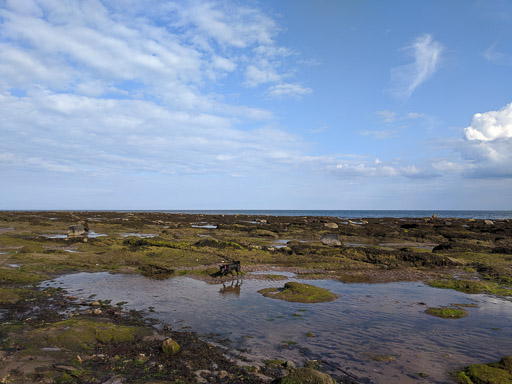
[[289, 104]]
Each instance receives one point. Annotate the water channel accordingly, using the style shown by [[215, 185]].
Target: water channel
[[366, 321]]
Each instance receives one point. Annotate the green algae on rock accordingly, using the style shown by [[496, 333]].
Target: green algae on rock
[[170, 347], [307, 376], [82, 333], [472, 286], [493, 373], [300, 293], [447, 313]]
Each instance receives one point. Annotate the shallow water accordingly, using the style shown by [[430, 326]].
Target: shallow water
[[141, 235], [90, 235], [385, 319]]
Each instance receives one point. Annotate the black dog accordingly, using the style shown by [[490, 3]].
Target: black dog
[[230, 268]]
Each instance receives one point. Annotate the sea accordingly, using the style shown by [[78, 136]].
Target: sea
[[356, 214]]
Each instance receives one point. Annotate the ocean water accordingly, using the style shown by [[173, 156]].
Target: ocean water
[[354, 214]]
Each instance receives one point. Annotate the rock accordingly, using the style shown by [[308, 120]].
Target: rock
[[155, 337], [442, 247], [289, 365], [488, 222], [263, 233], [307, 376], [65, 368], [170, 347], [434, 216], [223, 374], [331, 225], [95, 303], [115, 380], [79, 229], [97, 312], [331, 239]]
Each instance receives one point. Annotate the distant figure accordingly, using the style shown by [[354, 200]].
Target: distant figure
[[230, 268]]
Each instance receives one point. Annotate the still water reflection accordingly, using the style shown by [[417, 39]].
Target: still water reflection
[[366, 320]]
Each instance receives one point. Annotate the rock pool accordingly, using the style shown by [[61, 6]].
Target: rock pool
[[366, 321]]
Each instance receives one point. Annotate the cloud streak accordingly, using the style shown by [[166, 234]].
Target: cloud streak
[[426, 54]]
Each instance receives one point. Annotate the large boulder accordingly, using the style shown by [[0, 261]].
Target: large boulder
[[79, 229], [331, 239], [307, 376]]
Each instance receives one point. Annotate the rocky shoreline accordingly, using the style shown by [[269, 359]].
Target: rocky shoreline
[[464, 254]]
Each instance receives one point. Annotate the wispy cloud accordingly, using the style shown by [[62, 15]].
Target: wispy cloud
[[493, 55], [380, 133], [426, 54], [387, 115], [288, 90]]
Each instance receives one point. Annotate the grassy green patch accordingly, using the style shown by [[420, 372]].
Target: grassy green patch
[[472, 286], [19, 277], [80, 334], [302, 293], [447, 313], [494, 373], [275, 277], [14, 295], [273, 363]]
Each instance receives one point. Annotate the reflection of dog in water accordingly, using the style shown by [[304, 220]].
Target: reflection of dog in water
[[230, 268], [233, 289]]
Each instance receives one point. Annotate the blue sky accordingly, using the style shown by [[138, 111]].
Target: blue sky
[[146, 104]]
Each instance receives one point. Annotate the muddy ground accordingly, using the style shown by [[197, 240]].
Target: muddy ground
[[112, 345]]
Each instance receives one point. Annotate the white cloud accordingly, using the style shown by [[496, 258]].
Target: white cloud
[[446, 166], [491, 125], [426, 54], [288, 90], [105, 87], [486, 148], [387, 115], [416, 115], [229, 24], [375, 169], [380, 134], [260, 74], [70, 133]]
